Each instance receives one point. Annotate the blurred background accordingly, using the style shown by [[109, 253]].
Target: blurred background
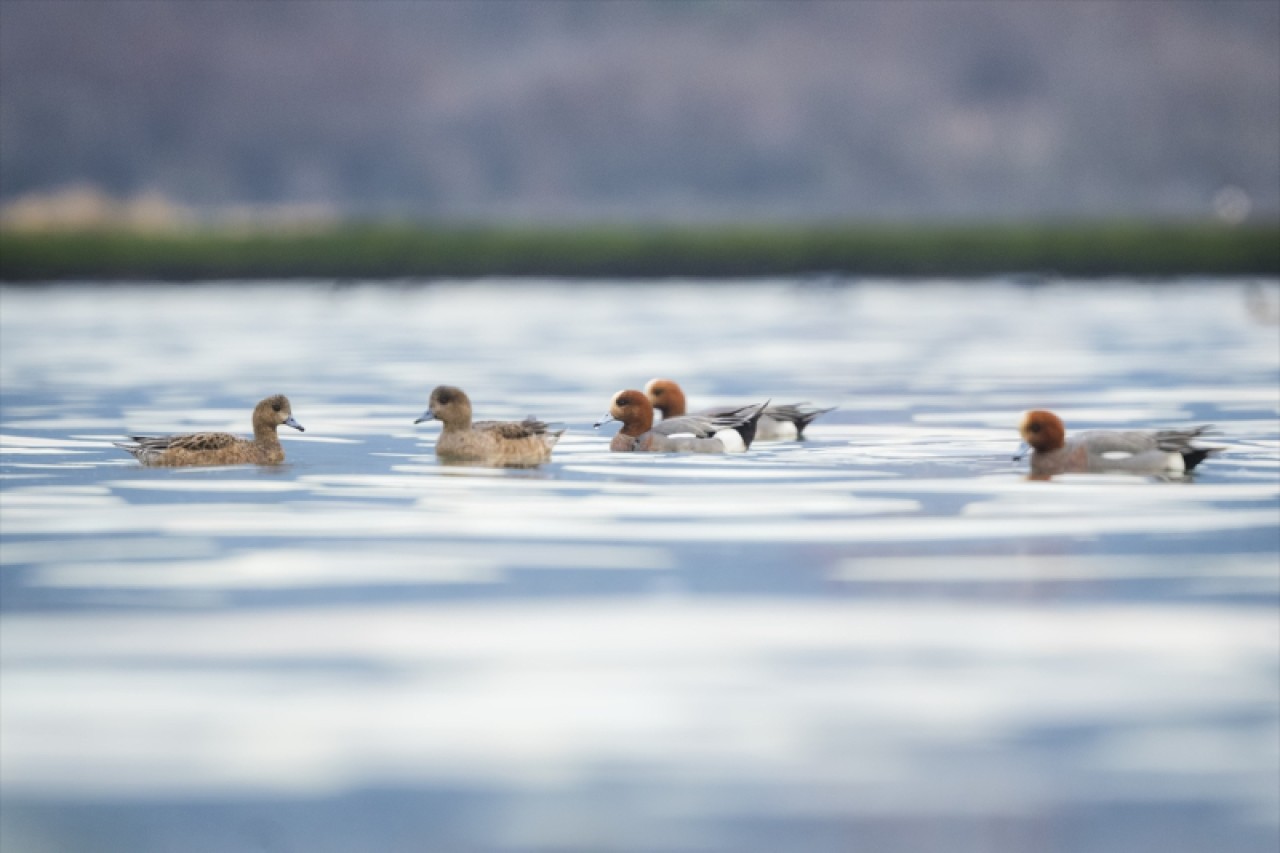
[[928, 215], [161, 113]]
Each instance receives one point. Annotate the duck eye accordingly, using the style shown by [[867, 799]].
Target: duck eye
[[1034, 427], [276, 407]]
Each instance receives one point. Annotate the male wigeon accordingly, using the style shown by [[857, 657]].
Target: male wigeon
[[778, 423], [499, 444], [730, 432], [221, 448], [1131, 451]]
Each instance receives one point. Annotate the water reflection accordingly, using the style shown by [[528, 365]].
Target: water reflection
[[884, 632]]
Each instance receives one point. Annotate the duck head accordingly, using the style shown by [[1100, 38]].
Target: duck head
[[666, 396]]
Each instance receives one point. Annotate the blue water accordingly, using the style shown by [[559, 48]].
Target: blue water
[[882, 638]]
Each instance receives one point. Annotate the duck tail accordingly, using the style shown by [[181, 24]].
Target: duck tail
[[134, 450], [747, 429], [799, 415], [1193, 456], [807, 417]]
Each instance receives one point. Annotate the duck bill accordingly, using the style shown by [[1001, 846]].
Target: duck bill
[[428, 415], [1023, 450], [604, 421], [290, 422]]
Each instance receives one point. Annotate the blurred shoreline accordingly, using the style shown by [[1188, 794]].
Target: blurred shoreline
[[393, 250]]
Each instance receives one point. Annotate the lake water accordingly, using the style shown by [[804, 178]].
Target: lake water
[[883, 638]]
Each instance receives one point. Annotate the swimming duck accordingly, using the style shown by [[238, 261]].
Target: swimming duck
[[732, 431], [220, 448], [778, 423], [501, 444], [1131, 451]]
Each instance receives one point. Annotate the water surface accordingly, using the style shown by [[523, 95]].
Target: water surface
[[884, 637]]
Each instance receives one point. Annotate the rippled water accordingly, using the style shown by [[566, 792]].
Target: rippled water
[[883, 638]]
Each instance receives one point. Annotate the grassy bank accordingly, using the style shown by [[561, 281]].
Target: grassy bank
[[411, 251]]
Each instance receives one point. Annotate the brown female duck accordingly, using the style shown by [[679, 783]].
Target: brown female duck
[[499, 444], [220, 448]]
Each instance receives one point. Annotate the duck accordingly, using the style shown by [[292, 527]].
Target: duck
[[732, 431], [220, 448], [1155, 452], [497, 444], [784, 422]]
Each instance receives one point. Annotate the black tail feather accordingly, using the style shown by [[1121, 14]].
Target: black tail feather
[[747, 429], [800, 415], [1195, 455], [806, 419]]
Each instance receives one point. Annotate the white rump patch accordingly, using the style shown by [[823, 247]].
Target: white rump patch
[[775, 430], [731, 440]]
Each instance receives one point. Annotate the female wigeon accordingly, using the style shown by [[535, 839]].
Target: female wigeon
[[1134, 452], [221, 448], [499, 444], [778, 423], [730, 432]]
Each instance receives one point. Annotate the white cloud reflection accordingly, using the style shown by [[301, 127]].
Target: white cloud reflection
[[853, 701]]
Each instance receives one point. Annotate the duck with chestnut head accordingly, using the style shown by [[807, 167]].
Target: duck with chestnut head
[[781, 422], [1152, 452], [730, 432]]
